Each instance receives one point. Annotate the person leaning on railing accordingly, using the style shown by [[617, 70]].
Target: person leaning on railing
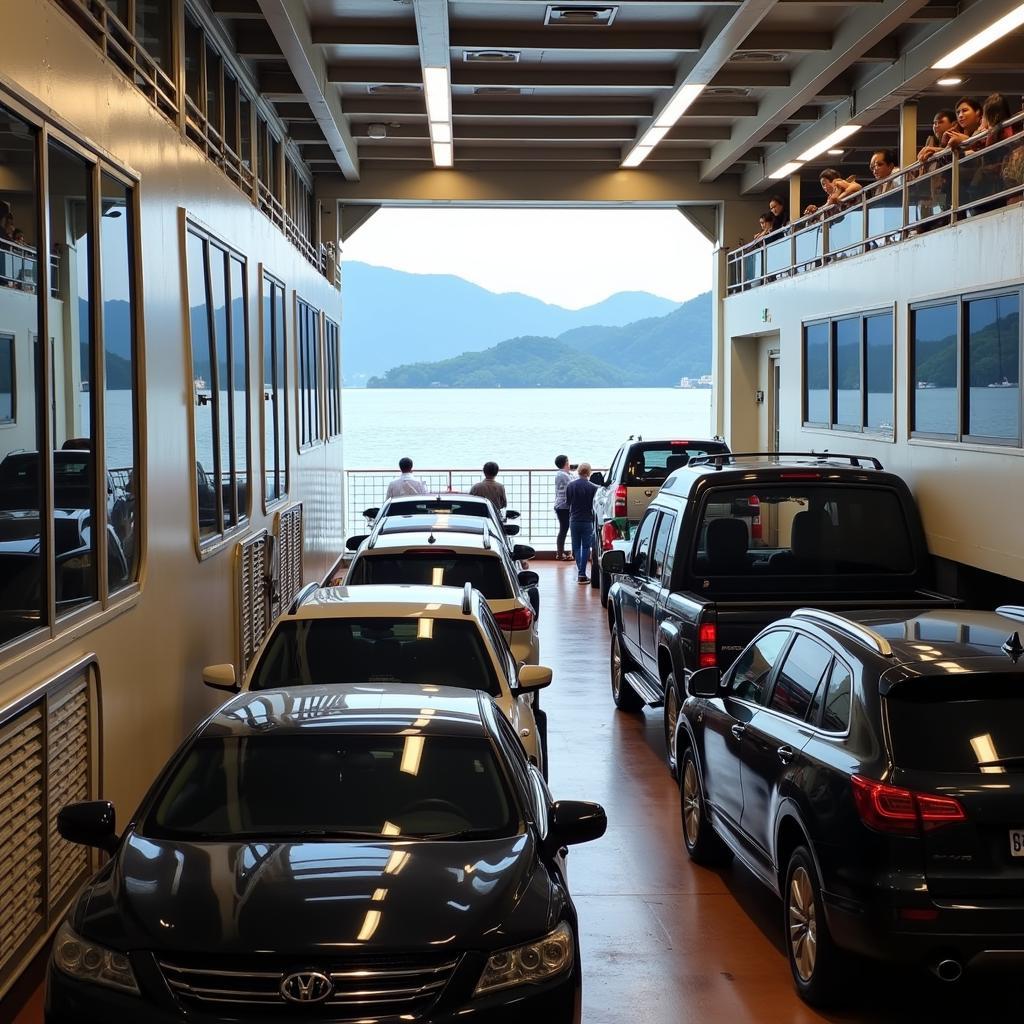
[[836, 189], [986, 177]]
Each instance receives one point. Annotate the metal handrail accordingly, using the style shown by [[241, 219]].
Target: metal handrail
[[812, 240]]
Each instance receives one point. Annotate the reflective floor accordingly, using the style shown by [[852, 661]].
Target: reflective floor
[[664, 941]]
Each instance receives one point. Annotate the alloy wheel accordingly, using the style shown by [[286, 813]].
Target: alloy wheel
[[803, 935], [616, 668], [691, 803], [671, 721]]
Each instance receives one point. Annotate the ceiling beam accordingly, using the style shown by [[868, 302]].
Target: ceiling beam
[[254, 41], [288, 111], [364, 34], [858, 32], [276, 85], [660, 39], [786, 42], [521, 75], [303, 133], [883, 93], [289, 23]]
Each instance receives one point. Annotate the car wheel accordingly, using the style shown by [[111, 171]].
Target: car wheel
[[541, 718], [814, 959], [625, 697], [595, 559], [699, 838], [606, 585], [671, 720]]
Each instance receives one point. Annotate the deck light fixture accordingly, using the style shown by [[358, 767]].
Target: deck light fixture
[[438, 93], [952, 80], [442, 154], [637, 156], [669, 114], [785, 170], [829, 142], [985, 37]]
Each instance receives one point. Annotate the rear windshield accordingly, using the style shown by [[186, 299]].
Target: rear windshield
[[321, 785], [442, 568], [651, 464], [433, 506], [977, 726], [448, 652], [800, 530]]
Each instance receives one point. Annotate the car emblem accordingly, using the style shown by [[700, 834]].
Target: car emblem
[[306, 987]]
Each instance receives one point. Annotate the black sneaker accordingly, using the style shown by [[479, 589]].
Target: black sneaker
[[583, 579]]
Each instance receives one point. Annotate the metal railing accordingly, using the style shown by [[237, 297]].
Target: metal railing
[[927, 195], [531, 492], [19, 268]]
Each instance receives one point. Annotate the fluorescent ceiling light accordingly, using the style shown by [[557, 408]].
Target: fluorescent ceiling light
[[984, 38], [653, 135], [442, 154], [836, 152], [439, 94], [637, 157], [786, 170], [952, 80], [829, 142], [441, 132], [677, 105]]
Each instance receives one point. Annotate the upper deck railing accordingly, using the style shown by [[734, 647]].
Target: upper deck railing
[[926, 196], [19, 268]]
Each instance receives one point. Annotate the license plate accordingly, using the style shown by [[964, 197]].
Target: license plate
[[1017, 842]]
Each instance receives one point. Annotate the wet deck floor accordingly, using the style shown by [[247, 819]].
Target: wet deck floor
[[665, 941]]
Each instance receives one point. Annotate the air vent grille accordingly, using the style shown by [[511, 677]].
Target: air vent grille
[[394, 89], [253, 596], [757, 57], [490, 56], [726, 91], [497, 90], [600, 16], [289, 554]]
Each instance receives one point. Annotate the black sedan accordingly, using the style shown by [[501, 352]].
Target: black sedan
[[871, 772], [338, 852]]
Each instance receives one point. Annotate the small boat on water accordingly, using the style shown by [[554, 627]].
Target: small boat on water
[[924, 385], [1004, 383]]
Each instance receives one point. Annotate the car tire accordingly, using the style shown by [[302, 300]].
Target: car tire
[[702, 843], [595, 559], [606, 585], [541, 718], [673, 703], [815, 961], [624, 696]]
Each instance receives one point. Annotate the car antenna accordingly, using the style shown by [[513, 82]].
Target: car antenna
[[1013, 648]]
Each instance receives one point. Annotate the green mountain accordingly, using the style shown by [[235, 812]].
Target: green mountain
[[654, 352]]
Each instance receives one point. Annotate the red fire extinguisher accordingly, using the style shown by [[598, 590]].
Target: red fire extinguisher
[[755, 523]]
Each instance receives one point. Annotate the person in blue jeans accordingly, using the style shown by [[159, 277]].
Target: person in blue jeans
[[580, 497]]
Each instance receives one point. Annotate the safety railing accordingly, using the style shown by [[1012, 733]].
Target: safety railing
[[19, 268], [531, 492], [929, 194]]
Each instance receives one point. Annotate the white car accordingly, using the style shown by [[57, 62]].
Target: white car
[[447, 503], [461, 550], [421, 635]]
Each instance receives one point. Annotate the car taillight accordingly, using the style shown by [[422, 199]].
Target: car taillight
[[892, 809], [514, 619], [609, 532], [620, 500], [707, 641]]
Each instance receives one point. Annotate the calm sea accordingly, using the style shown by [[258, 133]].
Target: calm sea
[[444, 428]]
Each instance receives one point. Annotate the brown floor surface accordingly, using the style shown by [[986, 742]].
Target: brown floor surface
[[664, 941]]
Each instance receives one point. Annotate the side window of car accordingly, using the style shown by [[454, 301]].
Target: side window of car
[[497, 642], [835, 712], [799, 676], [516, 758], [754, 666], [659, 557], [642, 541], [613, 471]]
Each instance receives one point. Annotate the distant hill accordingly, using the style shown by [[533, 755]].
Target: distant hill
[[392, 317], [654, 352]]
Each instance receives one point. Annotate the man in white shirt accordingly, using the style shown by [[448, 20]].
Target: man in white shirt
[[406, 483]]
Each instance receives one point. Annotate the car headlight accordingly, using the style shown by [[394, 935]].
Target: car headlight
[[86, 961], [536, 961]]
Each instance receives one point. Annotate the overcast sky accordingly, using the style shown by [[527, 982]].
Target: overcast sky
[[569, 257]]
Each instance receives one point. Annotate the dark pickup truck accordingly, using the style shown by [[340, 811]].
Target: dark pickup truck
[[733, 542]]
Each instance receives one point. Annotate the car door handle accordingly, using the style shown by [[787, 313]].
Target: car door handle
[[738, 731], [786, 754]]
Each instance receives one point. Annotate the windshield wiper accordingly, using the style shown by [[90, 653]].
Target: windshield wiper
[[1000, 762], [270, 835], [466, 833]]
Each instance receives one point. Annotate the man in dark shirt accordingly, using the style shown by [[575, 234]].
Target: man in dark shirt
[[580, 497], [490, 488]]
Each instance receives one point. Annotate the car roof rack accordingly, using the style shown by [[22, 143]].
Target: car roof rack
[[467, 598], [1011, 611], [859, 461], [855, 630], [301, 596]]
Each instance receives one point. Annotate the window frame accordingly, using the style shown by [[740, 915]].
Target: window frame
[[11, 339], [777, 670], [333, 381], [282, 470], [314, 437]]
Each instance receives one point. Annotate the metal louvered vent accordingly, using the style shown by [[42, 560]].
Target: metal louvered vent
[[254, 586], [289, 555], [757, 57]]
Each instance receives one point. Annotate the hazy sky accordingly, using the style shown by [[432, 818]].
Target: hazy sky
[[570, 257]]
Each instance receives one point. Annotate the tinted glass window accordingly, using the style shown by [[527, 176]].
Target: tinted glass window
[[642, 542], [798, 678], [439, 506], [6, 378], [992, 334], [835, 714], [846, 363], [660, 553], [878, 345], [447, 569], [754, 666], [933, 333], [816, 373], [287, 786], [978, 721], [652, 464], [275, 391]]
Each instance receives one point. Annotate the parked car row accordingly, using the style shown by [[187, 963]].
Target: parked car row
[[849, 735], [364, 831]]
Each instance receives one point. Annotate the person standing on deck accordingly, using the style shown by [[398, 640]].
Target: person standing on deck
[[490, 488], [563, 477], [580, 496], [406, 483]]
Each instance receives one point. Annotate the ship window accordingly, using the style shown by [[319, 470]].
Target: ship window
[[218, 331], [933, 339], [6, 378], [308, 331], [992, 337], [878, 354], [332, 356], [847, 413], [816, 400], [275, 391]]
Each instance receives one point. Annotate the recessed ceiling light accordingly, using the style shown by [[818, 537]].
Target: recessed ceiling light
[[829, 141], [952, 80], [490, 56], [590, 15]]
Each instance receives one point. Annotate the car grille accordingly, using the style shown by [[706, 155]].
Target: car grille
[[371, 987]]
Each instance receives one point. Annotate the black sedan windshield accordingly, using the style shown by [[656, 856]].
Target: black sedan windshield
[[447, 652], [333, 786]]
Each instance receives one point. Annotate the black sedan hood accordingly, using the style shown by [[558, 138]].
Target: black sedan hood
[[319, 895]]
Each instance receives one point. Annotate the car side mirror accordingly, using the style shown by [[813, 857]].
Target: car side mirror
[[532, 677], [511, 513], [511, 529], [371, 513], [597, 478], [89, 823], [528, 578], [705, 682], [613, 562], [221, 677], [576, 821], [523, 552], [353, 542]]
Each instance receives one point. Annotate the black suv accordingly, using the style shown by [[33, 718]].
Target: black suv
[[871, 771]]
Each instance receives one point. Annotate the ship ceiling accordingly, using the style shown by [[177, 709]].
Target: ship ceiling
[[515, 85]]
